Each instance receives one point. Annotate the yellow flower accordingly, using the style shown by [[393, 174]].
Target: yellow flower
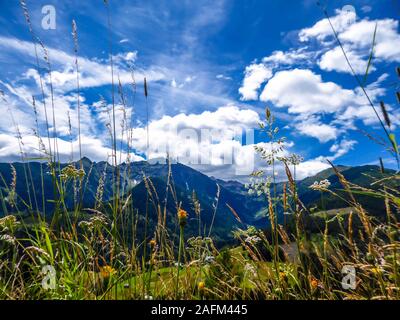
[[182, 215], [201, 285], [152, 243], [376, 271], [282, 276], [314, 283], [107, 271]]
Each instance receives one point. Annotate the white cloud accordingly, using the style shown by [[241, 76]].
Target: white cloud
[[20, 98], [93, 73], [357, 37], [169, 132], [366, 9], [92, 148], [310, 168], [211, 142], [322, 132], [303, 91], [387, 46], [341, 148], [123, 57], [322, 29], [334, 60], [255, 76], [223, 77], [289, 57]]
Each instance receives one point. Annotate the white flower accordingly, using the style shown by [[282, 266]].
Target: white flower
[[250, 270], [253, 239], [7, 238], [322, 185], [209, 259]]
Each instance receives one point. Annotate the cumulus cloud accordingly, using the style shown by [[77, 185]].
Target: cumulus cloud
[[303, 91], [334, 60], [387, 45], [193, 134], [322, 29], [357, 37], [254, 76], [321, 131], [258, 73]]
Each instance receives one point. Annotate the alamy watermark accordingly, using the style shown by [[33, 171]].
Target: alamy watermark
[[211, 147], [49, 281], [349, 280], [50, 15], [350, 14]]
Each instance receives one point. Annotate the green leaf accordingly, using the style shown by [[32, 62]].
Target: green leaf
[[392, 138], [371, 54], [48, 243]]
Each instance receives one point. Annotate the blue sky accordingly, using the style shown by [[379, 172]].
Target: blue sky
[[210, 65]]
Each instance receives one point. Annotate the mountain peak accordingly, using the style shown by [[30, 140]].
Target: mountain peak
[[85, 160]]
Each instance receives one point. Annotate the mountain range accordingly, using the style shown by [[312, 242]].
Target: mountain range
[[234, 206]]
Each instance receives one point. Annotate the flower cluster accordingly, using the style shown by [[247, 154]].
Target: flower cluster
[[182, 216], [258, 186], [7, 239], [107, 271], [8, 223], [253, 239], [70, 172], [320, 186], [96, 222], [250, 270]]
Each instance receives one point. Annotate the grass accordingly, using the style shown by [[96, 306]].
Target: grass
[[97, 254]]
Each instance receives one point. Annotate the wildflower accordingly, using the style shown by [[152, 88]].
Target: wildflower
[[321, 186], [201, 285], [376, 271], [252, 239], [295, 159], [107, 271], [250, 270], [70, 172], [8, 223], [182, 216], [7, 239], [282, 276], [314, 283], [152, 243], [209, 259]]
